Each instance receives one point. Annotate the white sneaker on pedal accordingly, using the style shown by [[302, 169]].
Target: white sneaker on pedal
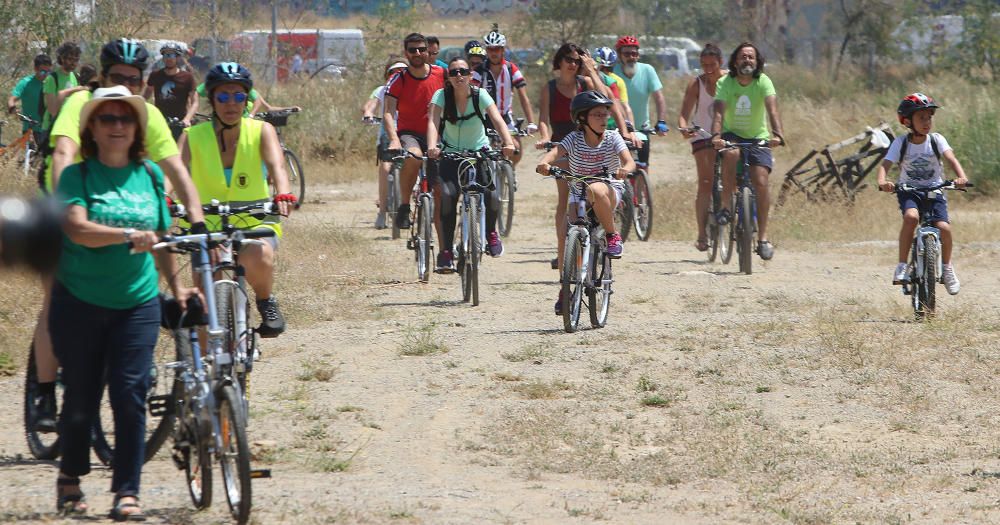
[[950, 280], [901, 274]]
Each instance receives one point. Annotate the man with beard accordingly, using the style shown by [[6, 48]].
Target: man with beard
[[172, 88], [408, 96], [641, 82], [741, 98]]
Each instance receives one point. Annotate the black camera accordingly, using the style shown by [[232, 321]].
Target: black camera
[[30, 233]]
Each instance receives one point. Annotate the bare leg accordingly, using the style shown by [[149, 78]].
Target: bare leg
[[601, 198], [383, 185], [759, 176], [705, 160], [945, 241], [729, 160], [258, 259], [910, 219]]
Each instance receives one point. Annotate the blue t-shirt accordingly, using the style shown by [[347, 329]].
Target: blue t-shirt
[[468, 134], [644, 83]]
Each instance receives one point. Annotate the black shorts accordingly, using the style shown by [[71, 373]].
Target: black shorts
[[409, 139], [757, 156]]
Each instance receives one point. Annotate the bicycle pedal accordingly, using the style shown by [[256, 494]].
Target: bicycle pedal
[[160, 406], [260, 473]]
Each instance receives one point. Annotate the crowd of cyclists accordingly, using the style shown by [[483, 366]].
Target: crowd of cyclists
[[115, 162]]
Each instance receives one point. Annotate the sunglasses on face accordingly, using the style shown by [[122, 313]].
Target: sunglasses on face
[[224, 98], [109, 120], [170, 54], [630, 53], [571, 60], [125, 80], [416, 50], [459, 72]]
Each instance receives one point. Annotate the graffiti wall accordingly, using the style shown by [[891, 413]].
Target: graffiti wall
[[444, 7]]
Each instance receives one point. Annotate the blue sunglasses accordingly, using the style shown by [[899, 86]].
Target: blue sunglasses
[[224, 98]]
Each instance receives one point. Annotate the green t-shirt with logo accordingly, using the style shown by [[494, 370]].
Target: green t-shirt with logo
[[125, 197], [468, 134], [745, 113], [54, 83], [29, 91]]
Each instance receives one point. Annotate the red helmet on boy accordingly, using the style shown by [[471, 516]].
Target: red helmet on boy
[[913, 103]]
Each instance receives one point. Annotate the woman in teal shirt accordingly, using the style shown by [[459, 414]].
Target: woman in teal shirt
[[462, 131], [105, 312]]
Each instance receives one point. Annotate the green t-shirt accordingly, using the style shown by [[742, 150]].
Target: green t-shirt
[[644, 83], [468, 134], [29, 91], [745, 113], [125, 197], [158, 139], [251, 97], [54, 83]]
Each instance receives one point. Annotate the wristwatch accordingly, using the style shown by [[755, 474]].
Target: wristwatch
[[128, 234]]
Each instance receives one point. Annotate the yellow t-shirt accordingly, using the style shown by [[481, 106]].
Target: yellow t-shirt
[[159, 141], [622, 90]]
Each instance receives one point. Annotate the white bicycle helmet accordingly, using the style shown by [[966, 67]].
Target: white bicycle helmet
[[495, 38]]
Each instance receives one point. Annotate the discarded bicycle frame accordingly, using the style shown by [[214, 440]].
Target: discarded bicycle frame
[[831, 179]]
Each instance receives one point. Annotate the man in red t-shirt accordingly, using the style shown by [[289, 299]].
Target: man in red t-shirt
[[407, 97]]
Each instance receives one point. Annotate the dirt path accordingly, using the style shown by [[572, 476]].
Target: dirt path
[[798, 394]]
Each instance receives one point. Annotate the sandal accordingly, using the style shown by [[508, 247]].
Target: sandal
[[70, 504], [119, 508], [701, 245]]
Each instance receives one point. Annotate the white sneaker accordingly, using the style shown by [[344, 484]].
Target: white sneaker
[[950, 280], [901, 274], [380, 221]]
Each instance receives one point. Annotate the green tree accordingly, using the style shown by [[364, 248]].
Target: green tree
[[980, 46]]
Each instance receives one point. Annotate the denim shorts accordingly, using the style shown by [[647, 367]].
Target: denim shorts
[[939, 210], [758, 156]]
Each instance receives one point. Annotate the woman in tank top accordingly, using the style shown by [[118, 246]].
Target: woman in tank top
[[697, 111]]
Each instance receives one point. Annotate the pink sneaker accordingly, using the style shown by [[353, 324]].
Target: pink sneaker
[[614, 245]]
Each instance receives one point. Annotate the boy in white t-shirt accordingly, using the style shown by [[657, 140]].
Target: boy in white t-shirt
[[921, 167]]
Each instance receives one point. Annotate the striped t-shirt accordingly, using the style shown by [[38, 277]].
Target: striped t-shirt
[[590, 162]]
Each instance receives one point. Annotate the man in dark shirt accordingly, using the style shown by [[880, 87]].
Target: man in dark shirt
[[172, 87]]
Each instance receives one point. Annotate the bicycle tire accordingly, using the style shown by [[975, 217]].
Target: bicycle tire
[[599, 295], [463, 261], [574, 268], [196, 433], [475, 248], [425, 226], [745, 218], [392, 199], [642, 214], [727, 236], [163, 393], [506, 187], [926, 289], [234, 458], [42, 445], [625, 212], [712, 232], [296, 177]]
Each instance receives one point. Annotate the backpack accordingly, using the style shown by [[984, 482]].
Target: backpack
[[475, 106], [906, 142]]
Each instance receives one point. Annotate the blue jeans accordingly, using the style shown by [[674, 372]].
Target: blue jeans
[[89, 341]]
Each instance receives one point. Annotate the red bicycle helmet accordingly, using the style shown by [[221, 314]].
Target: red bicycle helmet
[[627, 41], [913, 103]]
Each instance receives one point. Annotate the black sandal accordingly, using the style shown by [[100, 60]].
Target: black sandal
[[70, 504], [118, 509]]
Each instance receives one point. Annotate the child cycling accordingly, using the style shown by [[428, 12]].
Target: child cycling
[[919, 154], [594, 151]]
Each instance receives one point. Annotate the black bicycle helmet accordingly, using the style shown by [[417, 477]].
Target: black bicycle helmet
[[912, 103], [471, 44], [225, 73], [586, 101], [124, 51]]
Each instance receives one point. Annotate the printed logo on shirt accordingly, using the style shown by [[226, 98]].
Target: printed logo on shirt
[[242, 181], [167, 90], [743, 105], [920, 169]]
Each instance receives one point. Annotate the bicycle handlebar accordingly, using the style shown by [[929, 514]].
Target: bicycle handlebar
[[472, 155], [558, 173], [225, 210], [194, 241], [946, 185]]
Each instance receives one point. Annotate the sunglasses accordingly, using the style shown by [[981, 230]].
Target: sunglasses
[[224, 98], [43, 72], [171, 54], [125, 80], [630, 53], [571, 60], [459, 72], [108, 119], [416, 50]]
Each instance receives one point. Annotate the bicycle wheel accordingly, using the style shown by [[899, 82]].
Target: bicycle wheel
[[574, 270], [296, 177], [193, 439], [475, 247], [464, 262], [163, 393], [392, 199], [727, 236], [43, 445], [745, 218], [234, 458], [506, 186], [425, 226], [925, 292], [599, 295], [225, 310], [625, 212], [642, 215]]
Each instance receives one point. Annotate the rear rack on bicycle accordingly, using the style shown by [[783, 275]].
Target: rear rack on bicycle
[[832, 179]]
